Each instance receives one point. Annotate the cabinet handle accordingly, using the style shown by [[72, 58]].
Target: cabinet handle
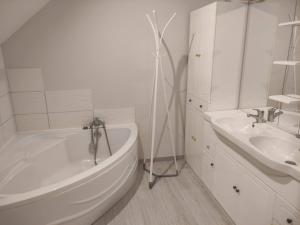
[[198, 55], [200, 106], [212, 164], [289, 221], [237, 190], [190, 100], [234, 187], [194, 139], [207, 146]]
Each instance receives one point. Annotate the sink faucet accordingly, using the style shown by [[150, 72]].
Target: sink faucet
[[272, 114], [259, 118]]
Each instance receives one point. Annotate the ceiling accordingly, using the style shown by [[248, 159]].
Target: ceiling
[[15, 13]]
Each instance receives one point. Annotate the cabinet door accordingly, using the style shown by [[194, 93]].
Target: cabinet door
[[210, 139], [256, 202], [189, 130], [193, 139], [284, 213], [207, 170], [202, 35], [227, 175]]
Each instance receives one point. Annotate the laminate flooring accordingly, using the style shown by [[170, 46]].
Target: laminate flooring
[[181, 200]]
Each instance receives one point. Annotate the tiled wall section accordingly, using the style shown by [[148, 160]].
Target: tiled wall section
[[7, 124], [69, 108], [37, 109], [116, 115], [28, 98]]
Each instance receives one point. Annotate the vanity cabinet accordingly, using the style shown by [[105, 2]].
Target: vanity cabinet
[[244, 192], [226, 184], [245, 198], [207, 170], [285, 214], [208, 157], [255, 201], [194, 137]]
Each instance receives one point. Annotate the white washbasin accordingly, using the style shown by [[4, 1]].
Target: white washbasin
[[241, 125], [269, 145], [278, 149]]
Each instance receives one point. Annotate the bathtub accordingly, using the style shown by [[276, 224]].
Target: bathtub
[[49, 177]]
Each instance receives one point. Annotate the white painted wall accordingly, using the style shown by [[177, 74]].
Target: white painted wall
[[106, 46], [15, 13]]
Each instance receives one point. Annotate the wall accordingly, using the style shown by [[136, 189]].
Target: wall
[[37, 109], [7, 125], [107, 46], [15, 13]]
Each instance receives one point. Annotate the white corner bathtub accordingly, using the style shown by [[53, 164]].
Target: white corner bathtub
[[48, 177]]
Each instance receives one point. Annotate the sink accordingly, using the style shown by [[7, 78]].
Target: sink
[[233, 124], [278, 149], [240, 125]]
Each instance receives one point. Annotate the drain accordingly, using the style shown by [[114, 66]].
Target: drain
[[291, 163]]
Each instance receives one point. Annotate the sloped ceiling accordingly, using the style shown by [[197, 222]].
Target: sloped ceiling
[[15, 13]]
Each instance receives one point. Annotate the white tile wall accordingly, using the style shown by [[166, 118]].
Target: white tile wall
[[25, 79], [1, 138], [32, 122], [28, 98], [69, 101], [5, 109], [37, 109], [8, 129], [69, 119], [3, 83], [28, 102], [117, 115], [2, 66], [7, 123]]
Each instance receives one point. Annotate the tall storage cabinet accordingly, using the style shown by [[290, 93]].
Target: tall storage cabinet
[[216, 42]]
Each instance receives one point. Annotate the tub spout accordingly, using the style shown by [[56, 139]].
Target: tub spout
[[94, 127]]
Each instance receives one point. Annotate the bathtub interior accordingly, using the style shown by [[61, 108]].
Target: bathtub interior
[[49, 157]]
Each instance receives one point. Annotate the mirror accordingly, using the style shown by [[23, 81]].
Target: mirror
[[266, 42]]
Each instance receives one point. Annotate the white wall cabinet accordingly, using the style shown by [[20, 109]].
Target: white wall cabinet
[[216, 49], [214, 69], [202, 35]]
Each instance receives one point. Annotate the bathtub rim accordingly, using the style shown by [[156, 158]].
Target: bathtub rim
[[8, 201]]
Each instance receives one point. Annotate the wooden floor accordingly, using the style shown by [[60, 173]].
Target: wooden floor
[[178, 200]]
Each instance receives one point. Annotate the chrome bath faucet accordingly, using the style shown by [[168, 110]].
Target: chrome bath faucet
[[259, 118]]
